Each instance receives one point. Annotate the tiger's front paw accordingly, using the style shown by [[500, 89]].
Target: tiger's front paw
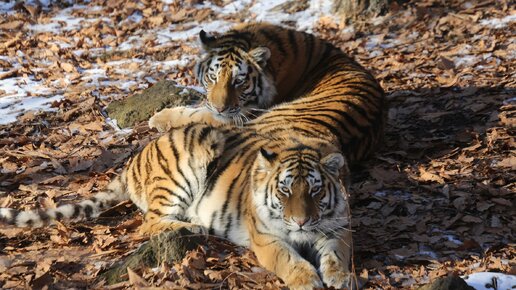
[[335, 275], [303, 276], [162, 121]]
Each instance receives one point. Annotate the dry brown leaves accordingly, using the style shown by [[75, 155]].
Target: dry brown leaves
[[438, 198]]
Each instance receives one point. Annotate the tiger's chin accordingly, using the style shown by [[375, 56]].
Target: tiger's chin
[[303, 236]]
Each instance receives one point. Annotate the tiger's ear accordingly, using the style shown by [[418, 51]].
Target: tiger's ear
[[333, 162], [265, 159], [206, 39], [261, 55]]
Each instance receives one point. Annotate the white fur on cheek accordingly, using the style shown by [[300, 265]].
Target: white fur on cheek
[[274, 226]]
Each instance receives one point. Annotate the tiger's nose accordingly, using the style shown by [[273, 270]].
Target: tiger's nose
[[301, 221]]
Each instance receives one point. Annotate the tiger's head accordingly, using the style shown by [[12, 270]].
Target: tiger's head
[[298, 191], [233, 75]]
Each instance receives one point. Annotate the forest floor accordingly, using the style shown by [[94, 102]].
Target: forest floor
[[437, 199]]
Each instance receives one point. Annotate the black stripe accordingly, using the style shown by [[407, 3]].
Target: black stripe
[[160, 196], [43, 216], [292, 42], [88, 210], [179, 170], [228, 225], [230, 191], [76, 211], [276, 40], [204, 133], [156, 212], [212, 221], [172, 193], [309, 39], [59, 216]]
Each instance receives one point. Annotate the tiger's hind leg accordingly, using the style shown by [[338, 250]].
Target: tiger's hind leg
[[166, 119], [167, 210], [165, 215]]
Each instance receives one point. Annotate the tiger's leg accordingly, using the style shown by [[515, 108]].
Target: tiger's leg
[[334, 254], [180, 116], [282, 259], [166, 211]]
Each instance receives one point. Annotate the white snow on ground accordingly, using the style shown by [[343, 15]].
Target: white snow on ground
[[15, 92], [453, 239], [498, 22], [7, 7], [487, 280], [11, 107], [305, 20]]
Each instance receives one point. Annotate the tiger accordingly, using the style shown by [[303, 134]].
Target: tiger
[[164, 170], [283, 197], [282, 81]]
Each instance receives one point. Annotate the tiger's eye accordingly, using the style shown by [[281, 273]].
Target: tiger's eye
[[284, 189], [239, 81], [316, 189]]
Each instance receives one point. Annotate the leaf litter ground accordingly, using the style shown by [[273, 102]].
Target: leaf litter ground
[[437, 199]]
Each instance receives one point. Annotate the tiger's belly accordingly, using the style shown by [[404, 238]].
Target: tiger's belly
[[220, 214]]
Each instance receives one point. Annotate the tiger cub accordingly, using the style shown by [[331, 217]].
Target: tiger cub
[[161, 180], [305, 86]]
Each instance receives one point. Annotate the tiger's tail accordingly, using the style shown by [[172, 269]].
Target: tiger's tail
[[86, 209]]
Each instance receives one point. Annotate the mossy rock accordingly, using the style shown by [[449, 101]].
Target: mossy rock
[[140, 107], [169, 247]]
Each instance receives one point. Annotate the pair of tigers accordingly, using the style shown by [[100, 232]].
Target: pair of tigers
[[276, 183]]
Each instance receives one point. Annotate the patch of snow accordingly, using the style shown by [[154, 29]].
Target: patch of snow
[[7, 7], [198, 89], [132, 42], [467, 5], [397, 193], [228, 9], [465, 60], [42, 28], [372, 42], [94, 75], [305, 20], [11, 107], [70, 22], [487, 280], [398, 275], [413, 35], [375, 53], [425, 250], [453, 239], [64, 21], [113, 124], [170, 34], [175, 63], [136, 17], [20, 87], [509, 101], [126, 85], [62, 44], [498, 22]]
